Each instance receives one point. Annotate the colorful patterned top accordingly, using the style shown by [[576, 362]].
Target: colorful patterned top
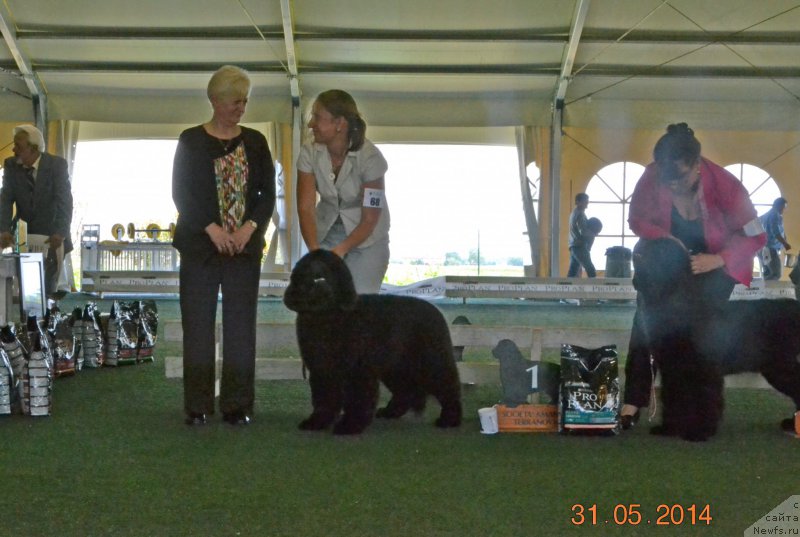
[[231, 172]]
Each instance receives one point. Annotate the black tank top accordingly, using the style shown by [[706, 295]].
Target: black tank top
[[689, 232]]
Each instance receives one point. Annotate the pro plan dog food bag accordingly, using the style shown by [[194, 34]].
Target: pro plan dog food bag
[[37, 379], [148, 330], [7, 383], [63, 345], [589, 394], [76, 323], [93, 344], [123, 333], [32, 366], [132, 332]]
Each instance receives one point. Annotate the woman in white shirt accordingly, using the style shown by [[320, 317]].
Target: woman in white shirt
[[351, 217]]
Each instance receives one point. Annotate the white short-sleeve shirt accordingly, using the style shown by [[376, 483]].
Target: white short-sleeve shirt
[[343, 198]]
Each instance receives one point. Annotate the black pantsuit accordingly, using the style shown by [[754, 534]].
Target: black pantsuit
[[204, 271], [200, 281]]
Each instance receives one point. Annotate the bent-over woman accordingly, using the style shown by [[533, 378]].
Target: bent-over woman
[[683, 196], [347, 171]]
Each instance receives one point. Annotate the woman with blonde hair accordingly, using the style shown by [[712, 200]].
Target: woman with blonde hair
[[347, 171], [223, 185]]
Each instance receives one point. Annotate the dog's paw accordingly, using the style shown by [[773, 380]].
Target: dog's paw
[[384, 413], [347, 427], [390, 412], [315, 422], [445, 423], [696, 436], [450, 415]]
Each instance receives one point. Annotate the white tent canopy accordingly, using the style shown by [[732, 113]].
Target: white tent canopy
[[726, 64]]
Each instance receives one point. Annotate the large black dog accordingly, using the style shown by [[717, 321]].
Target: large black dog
[[695, 344], [350, 343]]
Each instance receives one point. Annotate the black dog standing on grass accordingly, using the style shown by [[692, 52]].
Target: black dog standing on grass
[[350, 343], [694, 346]]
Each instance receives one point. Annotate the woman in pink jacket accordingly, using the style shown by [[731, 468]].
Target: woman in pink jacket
[[683, 196]]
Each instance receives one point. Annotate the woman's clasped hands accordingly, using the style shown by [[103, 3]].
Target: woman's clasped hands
[[228, 243]]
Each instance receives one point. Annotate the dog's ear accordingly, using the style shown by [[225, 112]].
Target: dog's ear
[[342, 281], [345, 288]]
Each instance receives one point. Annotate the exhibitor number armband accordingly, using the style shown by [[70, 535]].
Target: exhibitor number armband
[[374, 198]]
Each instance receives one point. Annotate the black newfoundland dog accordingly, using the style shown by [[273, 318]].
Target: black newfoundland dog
[[694, 344], [350, 343]]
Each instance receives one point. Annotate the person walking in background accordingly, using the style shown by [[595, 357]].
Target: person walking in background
[[688, 198], [223, 185], [581, 238], [347, 171], [770, 255], [38, 184]]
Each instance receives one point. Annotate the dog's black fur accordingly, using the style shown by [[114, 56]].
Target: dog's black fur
[[695, 344], [350, 343]]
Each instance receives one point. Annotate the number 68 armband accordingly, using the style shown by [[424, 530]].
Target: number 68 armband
[[374, 198]]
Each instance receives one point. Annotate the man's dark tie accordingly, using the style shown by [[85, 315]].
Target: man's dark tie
[[31, 179]]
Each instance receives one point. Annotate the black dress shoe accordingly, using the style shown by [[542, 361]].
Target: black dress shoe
[[629, 421], [196, 418], [236, 418]]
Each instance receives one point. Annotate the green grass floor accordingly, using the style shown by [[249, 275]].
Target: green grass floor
[[115, 459]]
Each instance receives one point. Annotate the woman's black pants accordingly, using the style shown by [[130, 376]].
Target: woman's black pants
[[237, 277]]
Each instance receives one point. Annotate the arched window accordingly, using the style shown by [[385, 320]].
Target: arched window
[[609, 193], [759, 184]]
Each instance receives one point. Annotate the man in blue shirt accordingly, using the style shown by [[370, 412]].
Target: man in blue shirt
[[769, 256]]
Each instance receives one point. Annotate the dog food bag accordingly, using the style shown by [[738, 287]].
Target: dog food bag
[[40, 339], [148, 330], [122, 334], [37, 382], [93, 344], [76, 323], [17, 357], [589, 394], [63, 349], [6, 383], [13, 349]]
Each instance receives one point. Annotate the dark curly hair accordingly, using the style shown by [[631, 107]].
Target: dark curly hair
[[678, 145]]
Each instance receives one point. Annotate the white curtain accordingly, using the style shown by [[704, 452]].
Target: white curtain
[[66, 143]]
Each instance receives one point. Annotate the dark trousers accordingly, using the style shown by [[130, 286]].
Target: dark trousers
[[579, 256], [771, 268], [200, 282], [713, 289]]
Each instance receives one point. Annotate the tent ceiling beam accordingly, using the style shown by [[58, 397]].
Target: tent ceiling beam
[[532, 35], [291, 54], [23, 65], [420, 69]]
